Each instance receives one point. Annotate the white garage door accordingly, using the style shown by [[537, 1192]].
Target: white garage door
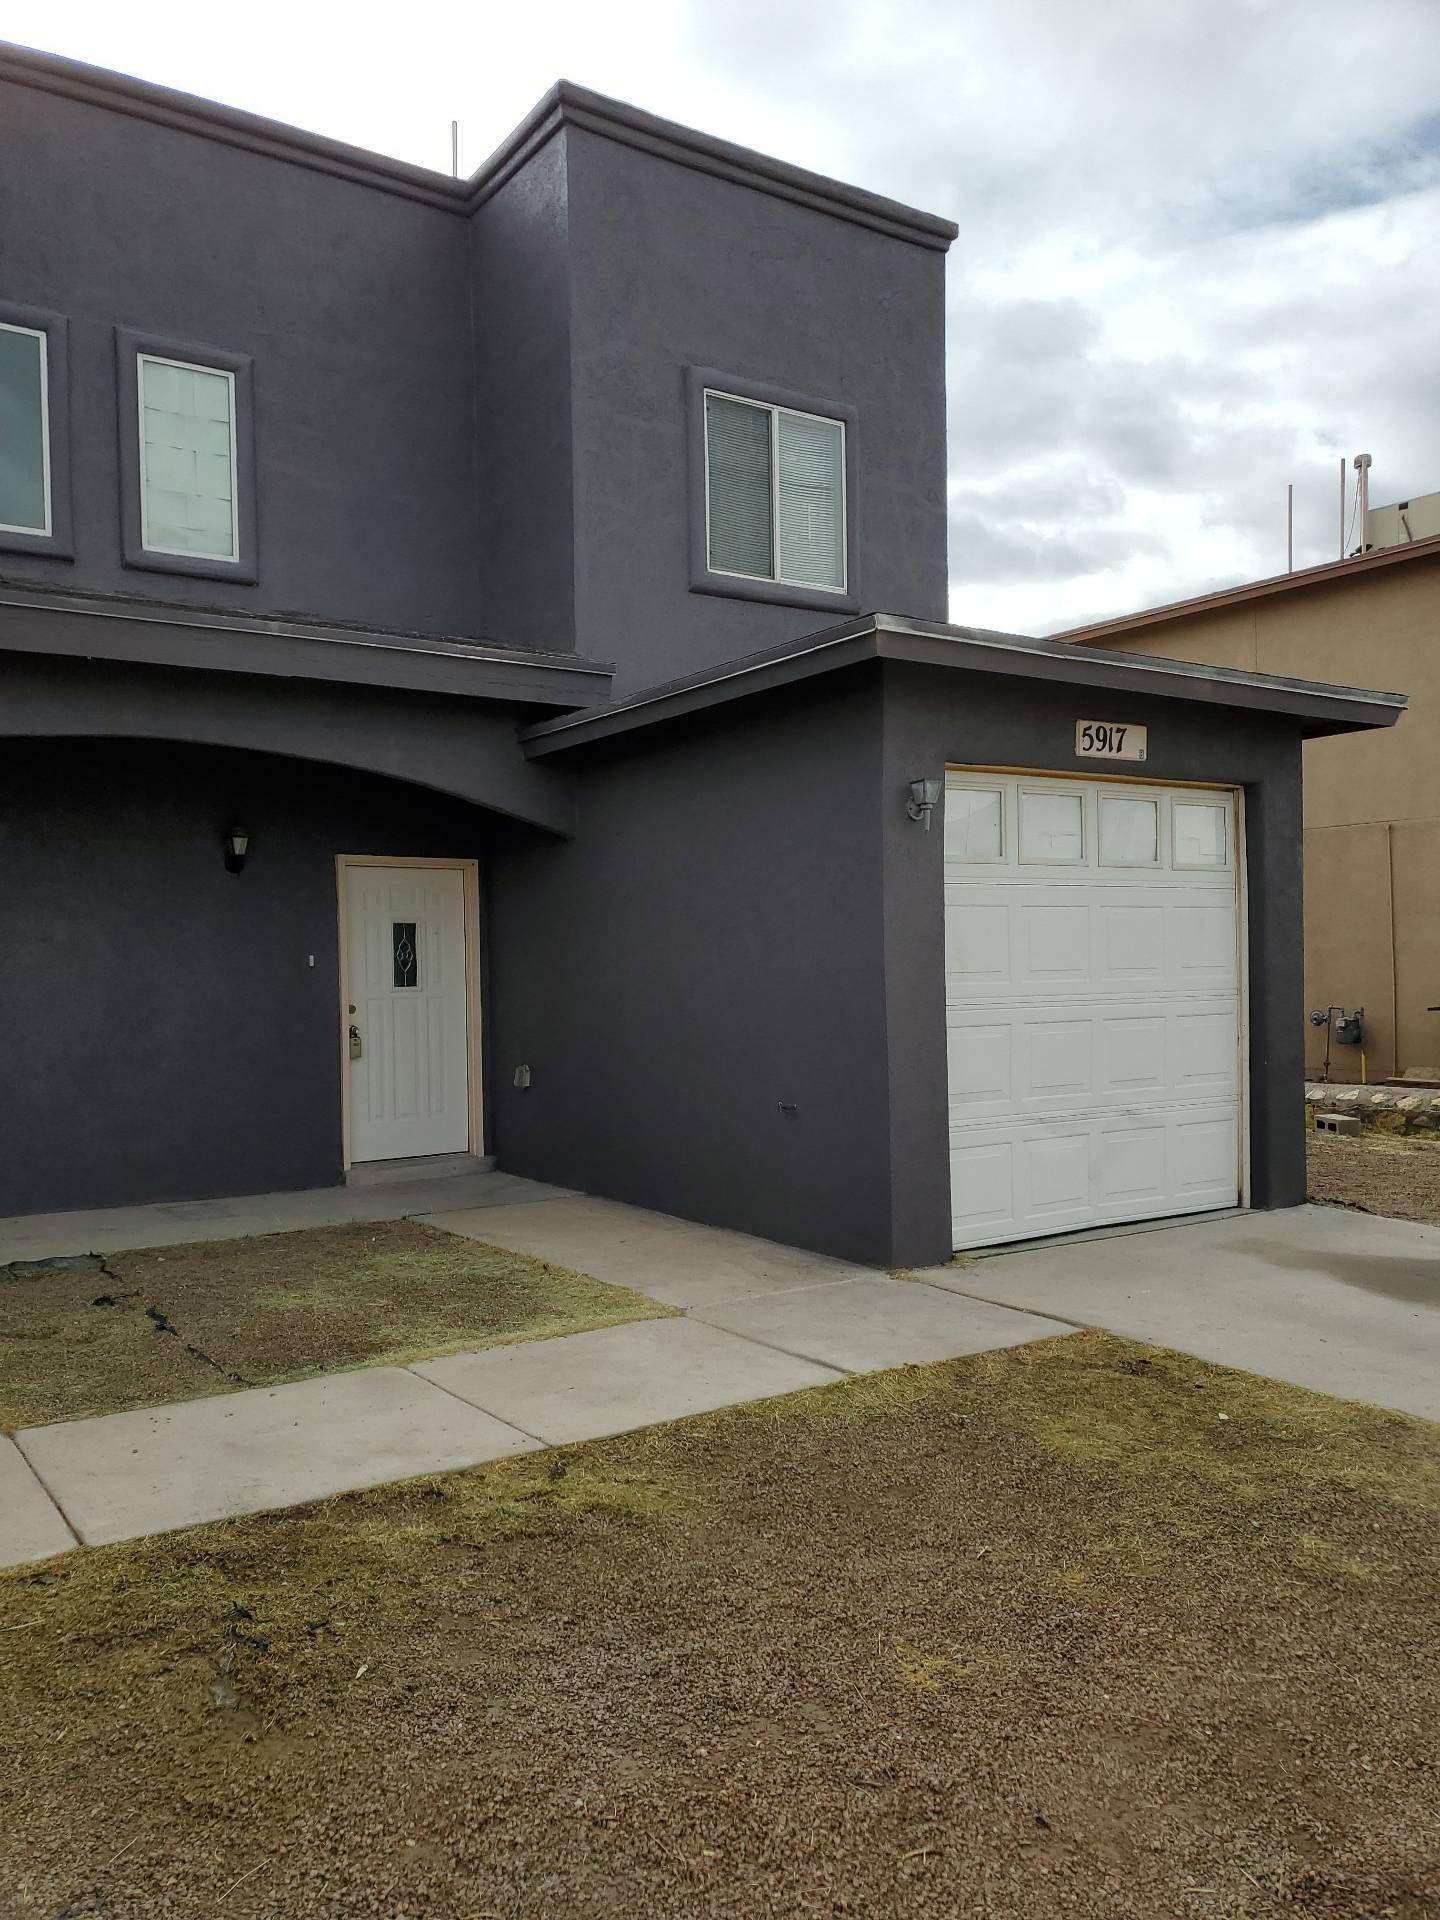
[[1092, 1003]]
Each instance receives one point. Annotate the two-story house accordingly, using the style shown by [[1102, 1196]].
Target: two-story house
[[444, 711]]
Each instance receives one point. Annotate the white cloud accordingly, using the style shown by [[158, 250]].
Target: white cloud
[[1196, 256]]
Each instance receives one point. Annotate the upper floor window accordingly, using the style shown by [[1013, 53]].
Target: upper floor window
[[188, 489], [25, 502], [775, 505], [187, 457]]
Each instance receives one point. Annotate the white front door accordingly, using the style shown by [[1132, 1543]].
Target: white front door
[[408, 1046], [1092, 1002]]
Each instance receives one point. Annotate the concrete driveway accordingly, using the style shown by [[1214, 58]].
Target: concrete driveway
[[1344, 1302]]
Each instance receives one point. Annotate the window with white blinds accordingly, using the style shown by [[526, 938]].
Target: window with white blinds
[[187, 459], [775, 493]]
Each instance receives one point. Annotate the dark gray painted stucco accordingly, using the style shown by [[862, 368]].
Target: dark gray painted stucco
[[747, 917], [354, 305], [717, 941], [465, 750], [469, 408], [163, 1033], [673, 268], [702, 958]]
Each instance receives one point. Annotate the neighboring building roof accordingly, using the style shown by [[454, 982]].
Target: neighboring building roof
[[564, 105], [1321, 708], [1101, 632]]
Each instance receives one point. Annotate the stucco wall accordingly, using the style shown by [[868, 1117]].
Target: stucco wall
[[525, 479], [674, 268], [162, 1032], [355, 305], [706, 953], [1372, 800], [747, 917]]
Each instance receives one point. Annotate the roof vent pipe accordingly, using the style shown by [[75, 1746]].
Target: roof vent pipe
[[1362, 467]]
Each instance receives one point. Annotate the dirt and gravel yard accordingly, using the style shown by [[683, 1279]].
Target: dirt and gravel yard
[[173, 1323], [1377, 1172], [1077, 1628]]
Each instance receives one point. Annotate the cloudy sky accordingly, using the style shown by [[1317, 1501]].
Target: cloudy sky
[[1198, 252]]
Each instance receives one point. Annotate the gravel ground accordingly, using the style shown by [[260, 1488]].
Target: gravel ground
[[175, 1323], [1079, 1628], [1377, 1172]]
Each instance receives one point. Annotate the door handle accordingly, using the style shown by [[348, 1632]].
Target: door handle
[[356, 1045]]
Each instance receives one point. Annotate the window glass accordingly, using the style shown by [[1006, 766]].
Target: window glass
[[24, 453], [187, 459], [737, 452], [775, 494], [1129, 831], [1199, 833], [1052, 827], [974, 823], [810, 509]]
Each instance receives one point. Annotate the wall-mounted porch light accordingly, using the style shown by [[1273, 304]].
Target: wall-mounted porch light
[[237, 846], [924, 798]]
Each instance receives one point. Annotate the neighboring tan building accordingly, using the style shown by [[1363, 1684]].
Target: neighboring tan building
[[1372, 804]]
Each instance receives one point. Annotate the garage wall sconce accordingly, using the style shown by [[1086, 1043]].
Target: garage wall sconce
[[237, 846], [924, 798]]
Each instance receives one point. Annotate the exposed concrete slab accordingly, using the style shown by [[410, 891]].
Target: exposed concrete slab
[[675, 1261], [866, 1325], [127, 1474], [619, 1378], [1347, 1303], [31, 1525], [47, 1236]]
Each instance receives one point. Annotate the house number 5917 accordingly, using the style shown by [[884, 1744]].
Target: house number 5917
[[1109, 740]]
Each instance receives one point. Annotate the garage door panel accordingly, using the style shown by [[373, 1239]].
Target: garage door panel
[[982, 1185], [1204, 1153], [1055, 1176], [1056, 1058], [1206, 1051], [977, 940], [1093, 1017], [1132, 941], [1132, 1054], [1202, 943], [1054, 940], [1130, 1166], [980, 1067]]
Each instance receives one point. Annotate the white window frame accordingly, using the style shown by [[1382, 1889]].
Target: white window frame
[[1118, 790], [231, 559], [1088, 835], [37, 333], [1227, 834], [1001, 859], [775, 577]]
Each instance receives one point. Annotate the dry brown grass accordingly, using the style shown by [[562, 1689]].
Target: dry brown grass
[[1035, 1632], [1376, 1172], [175, 1323]]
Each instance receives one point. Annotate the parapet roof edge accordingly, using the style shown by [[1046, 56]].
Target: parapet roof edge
[[565, 104], [1323, 707]]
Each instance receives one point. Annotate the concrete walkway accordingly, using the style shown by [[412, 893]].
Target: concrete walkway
[[1347, 1303], [756, 1320], [172, 1223], [1342, 1302]]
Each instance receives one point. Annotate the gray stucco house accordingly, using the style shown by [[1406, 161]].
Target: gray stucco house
[[444, 711]]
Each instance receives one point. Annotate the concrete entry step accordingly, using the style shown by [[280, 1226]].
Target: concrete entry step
[[429, 1166]]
